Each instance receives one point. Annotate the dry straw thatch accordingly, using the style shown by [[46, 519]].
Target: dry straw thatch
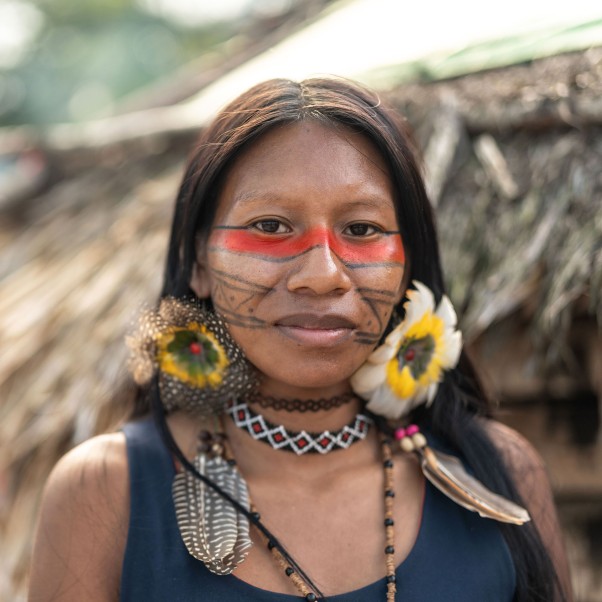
[[513, 159]]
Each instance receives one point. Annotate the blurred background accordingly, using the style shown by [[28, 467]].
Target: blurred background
[[100, 103]]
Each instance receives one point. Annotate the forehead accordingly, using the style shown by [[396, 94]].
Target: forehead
[[307, 159]]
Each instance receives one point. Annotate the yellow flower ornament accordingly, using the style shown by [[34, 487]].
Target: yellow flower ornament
[[192, 354], [407, 368], [188, 347]]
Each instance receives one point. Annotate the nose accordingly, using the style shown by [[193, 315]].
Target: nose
[[319, 272]]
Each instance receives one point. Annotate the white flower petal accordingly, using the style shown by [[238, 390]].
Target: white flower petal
[[432, 391], [420, 301], [450, 350], [446, 312], [368, 378], [382, 354], [396, 335], [420, 395], [385, 403]]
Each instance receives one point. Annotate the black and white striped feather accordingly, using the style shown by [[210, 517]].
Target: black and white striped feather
[[211, 528]]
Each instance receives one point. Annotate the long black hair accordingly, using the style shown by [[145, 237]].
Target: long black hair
[[460, 398]]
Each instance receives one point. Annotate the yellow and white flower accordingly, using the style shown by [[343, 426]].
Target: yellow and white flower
[[407, 368]]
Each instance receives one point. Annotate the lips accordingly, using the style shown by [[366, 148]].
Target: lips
[[315, 330], [316, 322]]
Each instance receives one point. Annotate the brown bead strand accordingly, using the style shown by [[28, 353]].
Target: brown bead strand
[[389, 522], [290, 572]]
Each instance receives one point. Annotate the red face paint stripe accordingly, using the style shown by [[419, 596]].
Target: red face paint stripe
[[387, 249]]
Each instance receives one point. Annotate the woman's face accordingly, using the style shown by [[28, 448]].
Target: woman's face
[[304, 259]]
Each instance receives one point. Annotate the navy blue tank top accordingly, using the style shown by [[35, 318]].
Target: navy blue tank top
[[457, 556]]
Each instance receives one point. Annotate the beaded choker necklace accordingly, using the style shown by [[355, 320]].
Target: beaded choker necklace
[[300, 442], [300, 405]]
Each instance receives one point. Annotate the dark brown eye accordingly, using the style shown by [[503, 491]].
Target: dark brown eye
[[270, 226], [361, 229]]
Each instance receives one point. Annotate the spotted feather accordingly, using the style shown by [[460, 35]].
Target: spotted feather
[[213, 531]]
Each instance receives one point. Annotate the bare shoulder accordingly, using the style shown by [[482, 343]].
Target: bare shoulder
[[526, 467], [519, 455], [82, 528], [95, 471]]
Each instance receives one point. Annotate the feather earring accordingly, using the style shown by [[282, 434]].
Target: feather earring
[[198, 364], [448, 475], [213, 531]]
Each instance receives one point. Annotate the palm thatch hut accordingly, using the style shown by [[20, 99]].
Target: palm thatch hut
[[512, 158]]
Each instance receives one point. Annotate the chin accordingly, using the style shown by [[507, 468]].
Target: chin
[[317, 374]]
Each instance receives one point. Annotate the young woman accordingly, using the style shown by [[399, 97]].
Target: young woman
[[308, 390]]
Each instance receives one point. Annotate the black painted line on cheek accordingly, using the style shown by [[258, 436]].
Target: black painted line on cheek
[[223, 298], [236, 278], [237, 319], [249, 292], [376, 291], [260, 257], [239, 289], [365, 334], [376, 264], [371, 304], [368, 342], [227, 293], [245, 300]]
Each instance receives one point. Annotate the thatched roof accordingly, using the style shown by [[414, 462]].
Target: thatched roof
[[513, 159], [515, 156]]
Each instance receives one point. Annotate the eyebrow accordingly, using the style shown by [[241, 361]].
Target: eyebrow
[[251, 197]]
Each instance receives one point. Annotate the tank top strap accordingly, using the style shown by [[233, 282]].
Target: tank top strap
[[153, 532]]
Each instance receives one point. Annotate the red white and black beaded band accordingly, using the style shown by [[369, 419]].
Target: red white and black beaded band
[[300, 442]]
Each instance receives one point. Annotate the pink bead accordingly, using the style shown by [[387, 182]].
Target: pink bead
[[400, 434], [412, 430]]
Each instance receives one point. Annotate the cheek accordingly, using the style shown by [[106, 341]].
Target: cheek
[[233, 256], [380, 279], [238, 285], [379, 291]]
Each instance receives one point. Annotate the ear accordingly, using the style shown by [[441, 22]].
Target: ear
[[200, 281]]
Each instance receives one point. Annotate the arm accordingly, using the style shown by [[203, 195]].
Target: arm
[[529, 474], [82, 530]]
